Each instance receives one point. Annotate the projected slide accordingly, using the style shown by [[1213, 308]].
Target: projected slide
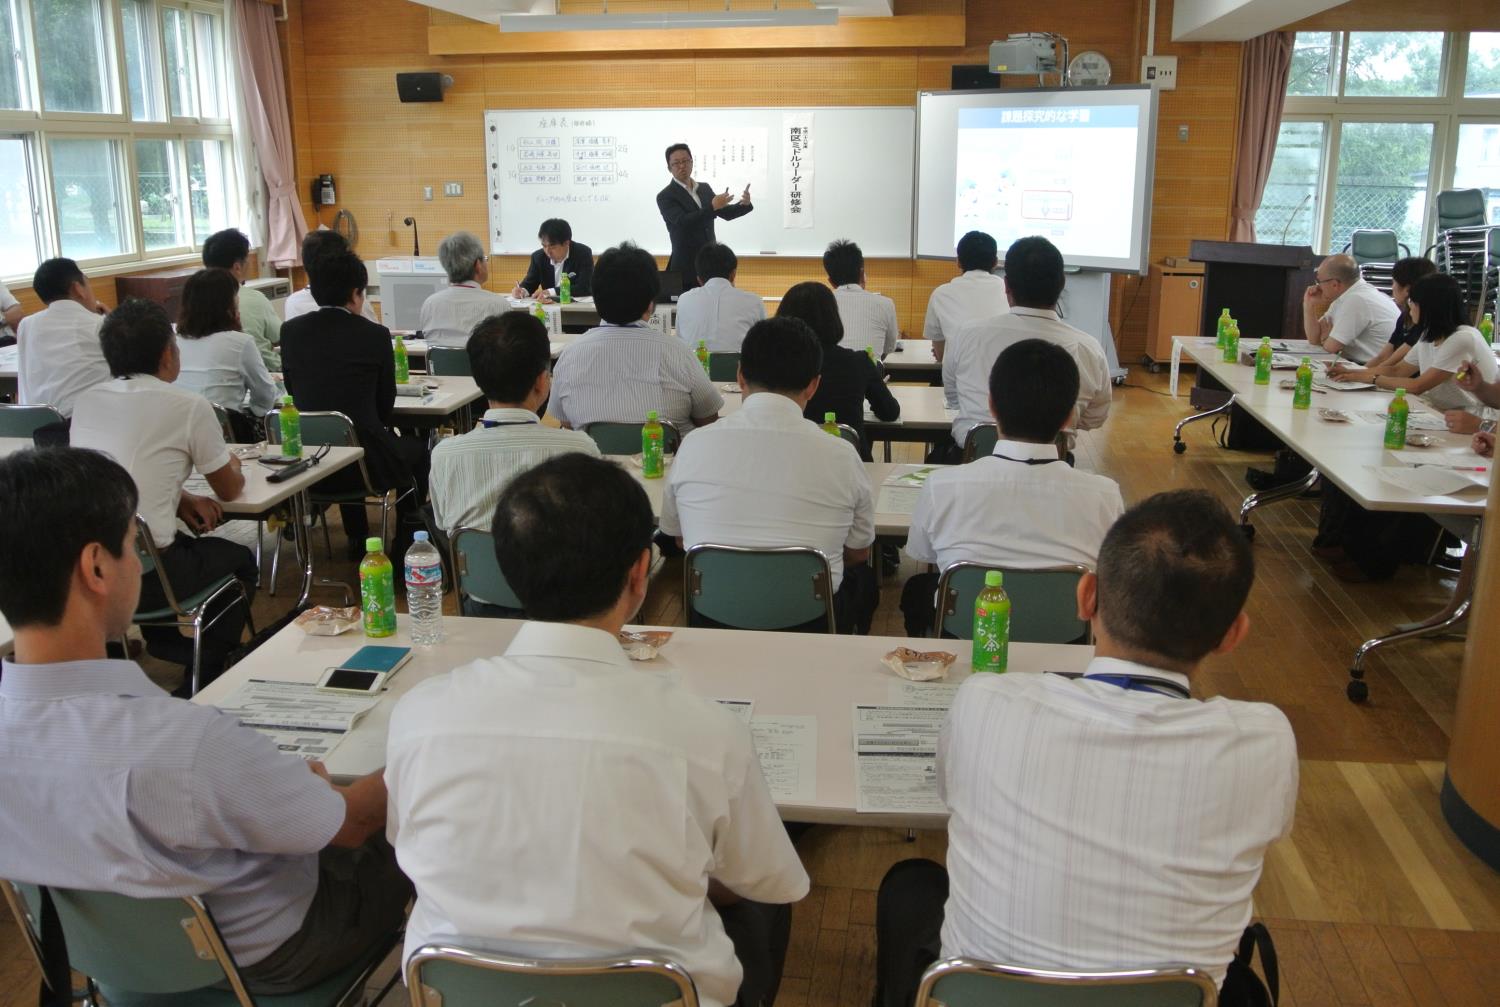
[[1064, 172]]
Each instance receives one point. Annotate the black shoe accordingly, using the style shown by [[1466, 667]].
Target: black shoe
[[1260, 479]]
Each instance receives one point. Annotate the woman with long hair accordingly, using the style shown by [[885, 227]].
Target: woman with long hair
[[219, 361]]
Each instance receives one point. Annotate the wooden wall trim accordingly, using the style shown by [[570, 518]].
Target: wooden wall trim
[[920, 31]]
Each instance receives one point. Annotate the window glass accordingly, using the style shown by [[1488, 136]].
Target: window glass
[[70, 46], [208, 177], [159, 191], [1315, 64], [142, 62], [1482, 73], [1395, 64], [208, 35], [1289, 209], [13, 83], [1381, 180], [177, 38], [1478, 163], [86, 186], [18, 244]]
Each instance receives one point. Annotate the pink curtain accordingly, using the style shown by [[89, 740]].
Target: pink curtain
[[270, 124], [1264, 67]]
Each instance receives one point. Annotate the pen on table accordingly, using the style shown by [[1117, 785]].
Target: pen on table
[[1450, 468]]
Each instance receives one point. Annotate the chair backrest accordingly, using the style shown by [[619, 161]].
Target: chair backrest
[[1043, 603], [1460, 208], [967, 982], [225, 427], [851, 435], [459, 977], [476, 570], [723, 366], [1375, 246], [625, 438], [145, 548], [980, 441], [446, 361], [318, 428], [757, 588], [23, 421]]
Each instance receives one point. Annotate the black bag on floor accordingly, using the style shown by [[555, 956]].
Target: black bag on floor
[[1242, 987]]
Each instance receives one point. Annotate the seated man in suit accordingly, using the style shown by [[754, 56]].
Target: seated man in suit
[[689, 208], [717, 313], [559, 256], [1111, 821], [620, 370], [634, 812], [337, 360], [869, 318], [449, 315], [59, 356], [162, 433], [764, 476], [230, 249], [163, 797], [1022, 507], [316, 245]]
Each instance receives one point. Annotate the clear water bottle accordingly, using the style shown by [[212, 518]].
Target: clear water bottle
[[424, 591]]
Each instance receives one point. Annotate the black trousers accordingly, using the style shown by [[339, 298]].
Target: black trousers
[[760, 933], [917, 606], [854, 605], [408, 518], [908, 929], [191, 564]]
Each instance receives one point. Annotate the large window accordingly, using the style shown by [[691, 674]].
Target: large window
[[115, 144], [1375, 125]]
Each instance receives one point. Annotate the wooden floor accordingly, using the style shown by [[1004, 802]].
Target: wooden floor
[[1371, 901]]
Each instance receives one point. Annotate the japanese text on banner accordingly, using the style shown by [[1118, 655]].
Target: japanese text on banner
[[797, 169]]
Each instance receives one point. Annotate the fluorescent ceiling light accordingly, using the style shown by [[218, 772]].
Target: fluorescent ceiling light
[[657, 20]]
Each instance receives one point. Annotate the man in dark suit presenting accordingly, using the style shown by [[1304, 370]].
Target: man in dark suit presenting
[[688, 208], [559, 255]]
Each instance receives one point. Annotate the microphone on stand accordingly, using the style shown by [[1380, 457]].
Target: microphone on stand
[[1284, 231], [416, 244]]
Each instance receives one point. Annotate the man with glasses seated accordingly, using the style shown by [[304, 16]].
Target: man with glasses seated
[[449, 315], [1343, 314]]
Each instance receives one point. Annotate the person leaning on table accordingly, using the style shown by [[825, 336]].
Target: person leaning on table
[[163, 797], [1111, 821], [554, 802]]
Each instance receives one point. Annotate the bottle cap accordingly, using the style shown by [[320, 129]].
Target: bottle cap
[[1265, 340], [830, 417], [286, 400], [373, 544], [1400, 393], [651, 414], [420, 536], [993, 578]]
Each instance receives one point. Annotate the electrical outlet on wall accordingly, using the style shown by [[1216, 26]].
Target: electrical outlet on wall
[[427, 192], [453, 188], [1160, 72]]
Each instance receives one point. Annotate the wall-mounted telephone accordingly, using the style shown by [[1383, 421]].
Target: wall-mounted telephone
[[322, 191]]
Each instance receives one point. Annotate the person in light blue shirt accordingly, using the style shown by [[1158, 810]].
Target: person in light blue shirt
[[109, 784]]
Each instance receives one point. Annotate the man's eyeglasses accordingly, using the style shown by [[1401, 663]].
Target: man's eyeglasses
[[680, 162]]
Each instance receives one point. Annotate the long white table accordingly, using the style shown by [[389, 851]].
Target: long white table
[[783, 673], [925, 418], [913, 360], [449, 396]]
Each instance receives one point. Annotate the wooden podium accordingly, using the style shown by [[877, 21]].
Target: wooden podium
[[1261, 285]]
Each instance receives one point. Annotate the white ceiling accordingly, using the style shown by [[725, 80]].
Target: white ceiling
[[1238, 20]]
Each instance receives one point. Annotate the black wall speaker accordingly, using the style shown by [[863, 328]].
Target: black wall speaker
[[419, 86], [973, 76]]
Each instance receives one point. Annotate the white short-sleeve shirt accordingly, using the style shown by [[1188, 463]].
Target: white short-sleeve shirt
[[59, 355], [766, 476], [719, 314], [617, 373], [1466, 343], [969, 297], [1362, 319], [449, 316], [554, 801], [227, 369], [869, 319], [159, 433]]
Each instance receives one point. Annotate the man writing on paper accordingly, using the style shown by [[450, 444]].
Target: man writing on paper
[[689, 209]]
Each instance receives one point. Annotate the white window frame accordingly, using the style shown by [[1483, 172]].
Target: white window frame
[[40, 127]]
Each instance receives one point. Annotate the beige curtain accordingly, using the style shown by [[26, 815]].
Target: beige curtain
[[264, 84], [1264, 67]]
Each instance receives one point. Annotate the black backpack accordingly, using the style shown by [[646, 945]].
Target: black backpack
[[1242, 987]]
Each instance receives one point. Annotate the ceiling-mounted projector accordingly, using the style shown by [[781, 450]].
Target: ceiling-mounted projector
[[1029, 52]]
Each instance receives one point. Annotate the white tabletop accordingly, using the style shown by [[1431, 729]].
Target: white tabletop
[[922, 408], [783, 673], [451, 394], [9, 361], [912, 355], [260, 496], [1342, 452]]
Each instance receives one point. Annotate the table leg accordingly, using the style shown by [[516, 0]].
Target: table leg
[[303, 545], [1177, 444], [1275, 493]]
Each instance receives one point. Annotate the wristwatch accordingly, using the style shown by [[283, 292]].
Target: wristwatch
[[1486, 426]]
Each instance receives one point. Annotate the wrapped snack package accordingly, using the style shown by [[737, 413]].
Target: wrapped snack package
[[326, 621], [919, 665], [643, 644]]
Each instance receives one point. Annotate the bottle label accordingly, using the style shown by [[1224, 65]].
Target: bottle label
[[291, 436], [425, 575], [377, 595], [651, 451], [991, 638], [1395, 429]]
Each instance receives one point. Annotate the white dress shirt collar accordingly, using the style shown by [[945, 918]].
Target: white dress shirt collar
[[63, 679], [510, 415], [1020, 451], [1050, 313], [1113, 666], [566, 640], [851, 286], [772, 409], [717, 283]]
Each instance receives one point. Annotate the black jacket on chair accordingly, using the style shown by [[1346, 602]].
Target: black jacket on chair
[[334, 360], [690, 226], [850, 379], [580, 262]]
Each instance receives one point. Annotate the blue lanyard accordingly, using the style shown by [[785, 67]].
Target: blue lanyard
[[1140, 683]]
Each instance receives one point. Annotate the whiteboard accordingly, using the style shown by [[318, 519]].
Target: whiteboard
[[847, 175]]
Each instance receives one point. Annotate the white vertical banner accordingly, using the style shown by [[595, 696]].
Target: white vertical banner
[[797, 169]]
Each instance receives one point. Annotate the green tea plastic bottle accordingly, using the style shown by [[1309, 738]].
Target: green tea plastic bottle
[[1487, 328], [291, 429], [1302, 392], [403, 363], [565, 290], [992, 624], [1395, 421], [831, 424], [703, 355], [652, 466], [1263, 361], [870, 352], [1232, 343], [1222, 328], [377, 590], [540, 312]]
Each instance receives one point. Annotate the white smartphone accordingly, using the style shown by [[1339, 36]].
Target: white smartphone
[[355, 680]]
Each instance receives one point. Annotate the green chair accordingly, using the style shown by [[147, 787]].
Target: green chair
[[23, 421], [166, 952], [980, 441], [748, 588], [189, 612], [1375, 245], [1043, 603], [723, 366], [625, 438], [851, 435], [966, 982], [1460, 208], [447, 361], [458, 977], [476, 570]]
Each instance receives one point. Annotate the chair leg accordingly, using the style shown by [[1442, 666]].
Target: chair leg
[[249, 614], [197, 653], [275, 565], [322, 518]]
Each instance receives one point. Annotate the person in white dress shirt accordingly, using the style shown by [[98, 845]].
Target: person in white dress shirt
[[1021, 508], [59, 355], [618, 371], [10, 315], [448, 317], [315, 245], [716, 312], [1110, 821], [1033, 285], [1343, 314], [869, 318], [219, 361], [554, 802], [975, 293], [764, 476]]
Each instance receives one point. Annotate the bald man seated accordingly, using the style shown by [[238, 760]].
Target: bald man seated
[[1345, 315]]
